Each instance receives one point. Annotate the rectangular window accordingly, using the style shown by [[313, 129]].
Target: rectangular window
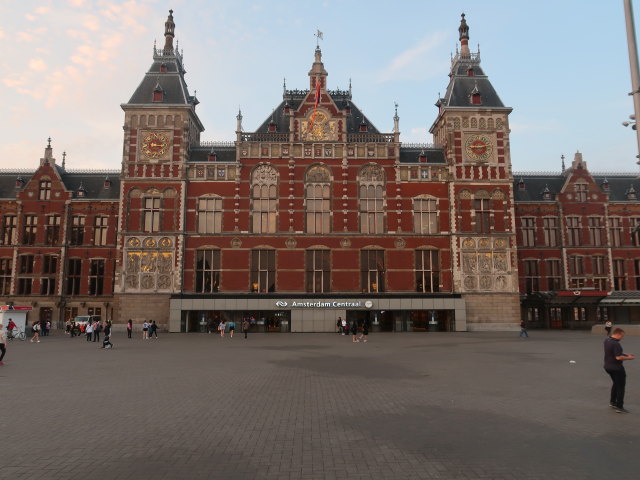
[[74, 273], [6, 270], [550, 227], [634, 224], [425, 216], [427, 271], [30, 229], [24, 286], [52, 230], [47, 286], [595, 231], [579, 314], [207, 271], [96, 276], [582, 191], [77, 230], [45, 190], [9, 223], [263, 271], [210, 215], [599, 273], [573, 231], [318, 208], [371, 209], [49, 264], [317, 271], [528, 232], [372, 271], [619, 277], [576, 272], [100, 229], [615, 230], [482, 215], [151, 214], [27, 263], [531, 276], [554, 275], [602, 314], [265, 208]]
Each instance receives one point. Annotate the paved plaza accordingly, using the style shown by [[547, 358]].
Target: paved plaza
[[316, 406]]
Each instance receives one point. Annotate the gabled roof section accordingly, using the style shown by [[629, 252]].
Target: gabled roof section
[[467, 78], [166, 75]]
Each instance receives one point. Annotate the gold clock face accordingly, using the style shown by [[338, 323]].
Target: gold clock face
[[479, 147], [155, 145]]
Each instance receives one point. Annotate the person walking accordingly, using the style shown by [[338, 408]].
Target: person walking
[[36, 332], [97, 328], [343, 324], [339, 325], [89, 331], [232, 328], [153, 329], [245, 327], [365, 332], [613, 359], [3, 343], [523, 329], [607, 327], [47, 327], [145, 330], [67, 327], [106, 343], [129, 328], [354, 332], [222, 327]]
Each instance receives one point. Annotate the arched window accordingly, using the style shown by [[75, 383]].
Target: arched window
[[318, 200], [371, 199], [264, 199]]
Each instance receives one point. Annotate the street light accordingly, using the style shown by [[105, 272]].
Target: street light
[[632, 123], [635, 70]]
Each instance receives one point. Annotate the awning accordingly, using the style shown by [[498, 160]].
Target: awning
[[620, 302]]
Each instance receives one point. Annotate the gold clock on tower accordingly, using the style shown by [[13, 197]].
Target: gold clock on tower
[[479, 147], [155, 145]]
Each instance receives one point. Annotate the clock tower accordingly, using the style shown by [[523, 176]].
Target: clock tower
[[472, 128], [160, 126]]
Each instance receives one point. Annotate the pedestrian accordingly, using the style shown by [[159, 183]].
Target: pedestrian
[[3, 343], [129, 328], [36, 332], [222, 326], [607, 327], [153, 329], [67, 327], [523, 329], [339, 325], [365, 332], [11, 326], [72, 331], [89, 331], [613, 358], [354, 332], [232, 328], [97, 328], [245, 327], [145, 330], [47, 327], [345, 329], [106, 343]]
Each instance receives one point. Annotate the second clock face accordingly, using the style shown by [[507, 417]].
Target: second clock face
[[479, 147], [155, 145]]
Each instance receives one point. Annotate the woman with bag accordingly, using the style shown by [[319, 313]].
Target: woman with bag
[[36, 332]]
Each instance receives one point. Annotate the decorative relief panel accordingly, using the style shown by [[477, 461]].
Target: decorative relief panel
[[149, 264], [485, 264]]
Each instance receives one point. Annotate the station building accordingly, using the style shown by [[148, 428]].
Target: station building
[[312, 216]]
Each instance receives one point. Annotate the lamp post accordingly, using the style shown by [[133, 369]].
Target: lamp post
[[633, 63]]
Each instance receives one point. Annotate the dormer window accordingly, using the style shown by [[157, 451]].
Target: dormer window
[[44, 192], [158, 93], [107, 183], [19, 182], [546, 193], [521, 185], [476, 98], [287, 109], [347, 109], [631, 193], [82, 192], [605, 185], [363, 126], [213, 156], [422, 158], [163, 68], [272, 126], [470, 72]]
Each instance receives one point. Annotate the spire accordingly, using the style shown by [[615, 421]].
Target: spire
[[317, 72], [169, 29], [562, 158], [463, 29], [396, 121], [64, 159], [48, 154]]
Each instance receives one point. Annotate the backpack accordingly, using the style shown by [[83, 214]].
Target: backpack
[[36, 327]]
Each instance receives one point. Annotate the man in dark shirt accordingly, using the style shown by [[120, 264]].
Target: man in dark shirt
[[613, 358]]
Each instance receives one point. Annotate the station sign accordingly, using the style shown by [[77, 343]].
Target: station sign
[[323, 304]]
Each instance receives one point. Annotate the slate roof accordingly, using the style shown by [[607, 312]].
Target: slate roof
[[534, 185], [92, 182], [200, 153], [171, 81], [461, 85], [435, 156], [295, 98]]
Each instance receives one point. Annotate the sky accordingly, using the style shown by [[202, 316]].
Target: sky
[[562, 65]]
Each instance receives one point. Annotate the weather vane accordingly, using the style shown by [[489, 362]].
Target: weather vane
[[318, 36]]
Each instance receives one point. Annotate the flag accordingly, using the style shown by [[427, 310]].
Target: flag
[[316, 102]]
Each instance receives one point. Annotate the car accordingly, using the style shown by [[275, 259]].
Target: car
[[84, 319]]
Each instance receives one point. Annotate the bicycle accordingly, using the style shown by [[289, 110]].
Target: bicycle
[[16, 333]]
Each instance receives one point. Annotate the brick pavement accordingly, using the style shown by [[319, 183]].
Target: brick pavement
[[315, 406]]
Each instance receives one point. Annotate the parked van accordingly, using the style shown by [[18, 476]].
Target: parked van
[[84, 319]]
